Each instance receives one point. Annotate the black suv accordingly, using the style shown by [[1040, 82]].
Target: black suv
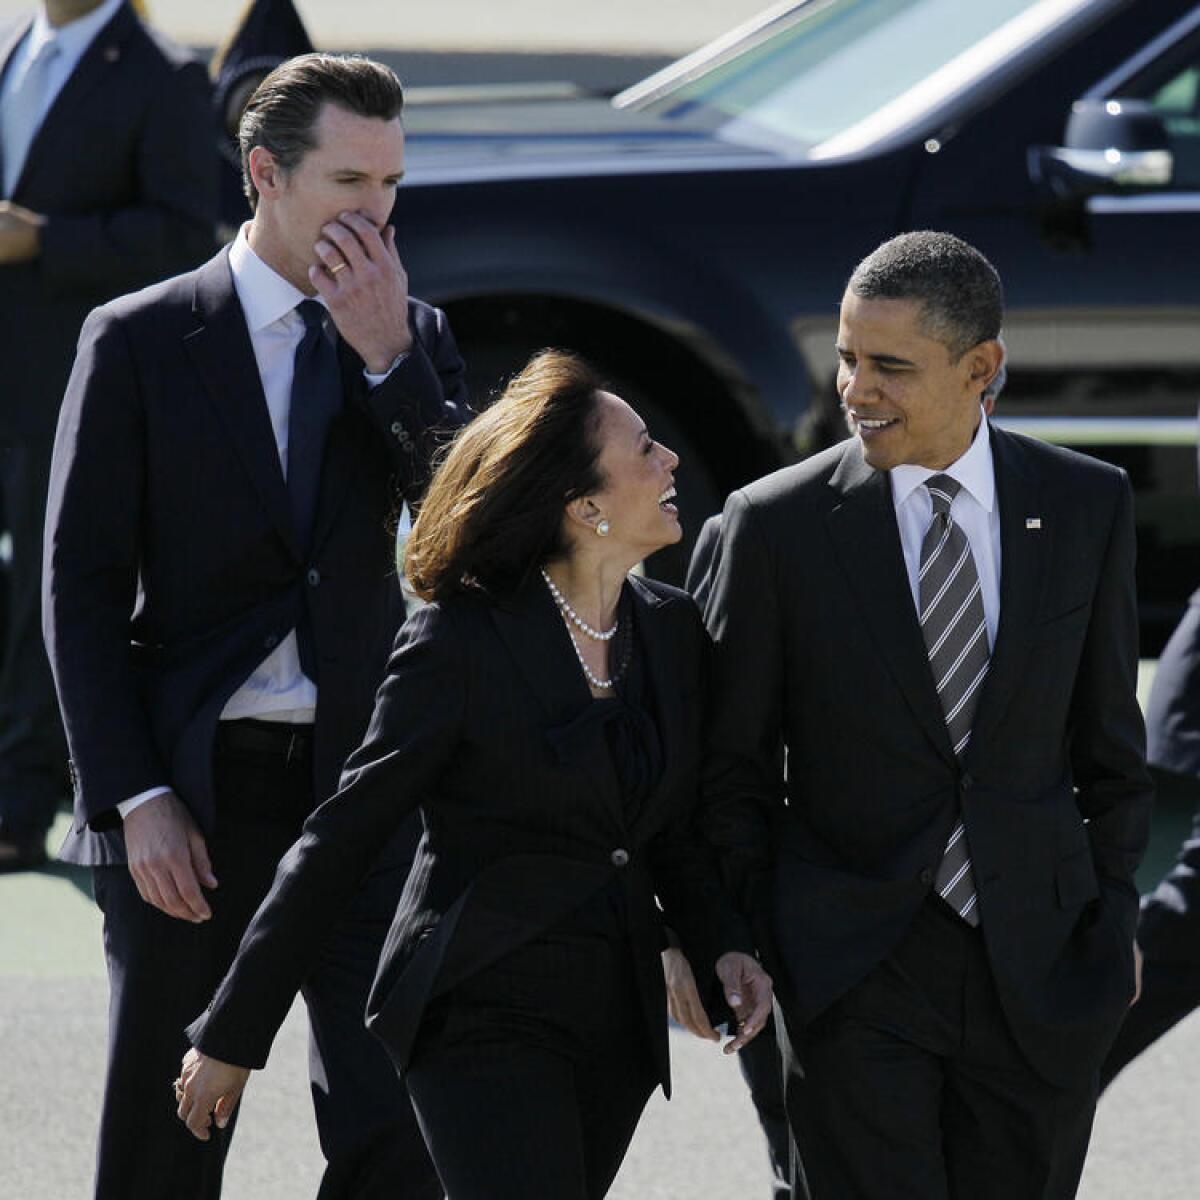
[[692, 235]]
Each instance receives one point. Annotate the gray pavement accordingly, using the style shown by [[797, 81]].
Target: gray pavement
[[704, 1145], [523, 26]]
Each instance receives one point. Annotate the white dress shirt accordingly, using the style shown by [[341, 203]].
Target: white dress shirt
[[72, 41], [974, 511]]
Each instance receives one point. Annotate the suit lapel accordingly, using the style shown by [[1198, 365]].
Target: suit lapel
[[531, 628], [657, 641], [1024, 555], [221, 352], [866, 541], [98, 61]]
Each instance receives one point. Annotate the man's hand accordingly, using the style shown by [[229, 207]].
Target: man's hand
[[20, 233], [208, 1089], [1138, 964], [168, 858], [366, 287], [748, 992], [683, 998]]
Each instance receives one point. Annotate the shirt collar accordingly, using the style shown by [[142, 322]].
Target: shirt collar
[[74, 38], [266, 297], [973, 470]]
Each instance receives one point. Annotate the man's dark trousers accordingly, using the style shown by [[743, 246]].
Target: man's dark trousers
[[159, 965], [928, 1021]]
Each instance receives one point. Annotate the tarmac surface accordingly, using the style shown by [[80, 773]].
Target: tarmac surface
[[703, 1145]]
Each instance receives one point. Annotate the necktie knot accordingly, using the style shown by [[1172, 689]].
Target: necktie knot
[[312, 313], [942, 490]]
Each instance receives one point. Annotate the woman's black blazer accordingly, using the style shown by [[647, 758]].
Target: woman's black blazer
[[476, 722]]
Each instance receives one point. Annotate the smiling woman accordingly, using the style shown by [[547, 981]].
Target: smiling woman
[[544, 711]]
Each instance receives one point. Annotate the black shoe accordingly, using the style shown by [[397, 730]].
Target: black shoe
[[22, 854]]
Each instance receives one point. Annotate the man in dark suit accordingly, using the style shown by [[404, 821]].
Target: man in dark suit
[[1169, 923], [109, 183], [220, 598], [932, 626]]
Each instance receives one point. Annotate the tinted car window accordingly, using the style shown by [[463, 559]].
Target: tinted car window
[[828, 66], [1179, 102]]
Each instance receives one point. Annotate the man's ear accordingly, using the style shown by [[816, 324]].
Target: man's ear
[[265, 171], [982, 362]]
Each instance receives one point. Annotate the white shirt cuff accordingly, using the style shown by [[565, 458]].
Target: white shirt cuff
[[373, 380], [127, 806]]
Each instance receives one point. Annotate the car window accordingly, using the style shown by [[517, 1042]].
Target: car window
[[830, 67], [1178, 100]]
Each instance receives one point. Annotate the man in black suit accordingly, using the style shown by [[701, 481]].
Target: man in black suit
[[109, 183], [1169, 923], [933, 626], [220, 599]]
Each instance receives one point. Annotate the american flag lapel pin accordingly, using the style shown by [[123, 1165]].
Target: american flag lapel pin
[[1033, 522]]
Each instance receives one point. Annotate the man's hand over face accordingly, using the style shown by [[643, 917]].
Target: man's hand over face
[[366, 287]]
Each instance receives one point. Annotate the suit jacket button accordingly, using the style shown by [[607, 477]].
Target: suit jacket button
[[313, 577], [926, 876], [270, 641], [619, 857], [967, 782]]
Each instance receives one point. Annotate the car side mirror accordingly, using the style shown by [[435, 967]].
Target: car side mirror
[[1110, 146]]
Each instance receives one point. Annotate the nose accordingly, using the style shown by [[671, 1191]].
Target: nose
[[378, 209], [852, 387], [671, 458]]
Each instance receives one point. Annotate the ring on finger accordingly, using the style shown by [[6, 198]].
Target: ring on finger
[[337, 267]]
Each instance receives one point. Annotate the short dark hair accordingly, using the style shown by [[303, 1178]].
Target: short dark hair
[[958, 289], [494, 510], [282, 114]]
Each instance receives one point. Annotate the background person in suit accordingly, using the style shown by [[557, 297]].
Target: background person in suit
[[935, 623], [544, 710], [109, 183], [1168, 932], [220, 599]]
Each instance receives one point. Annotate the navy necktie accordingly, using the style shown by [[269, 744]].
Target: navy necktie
[[315, 401]]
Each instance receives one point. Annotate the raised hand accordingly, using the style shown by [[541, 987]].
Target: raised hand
[[364, 283]]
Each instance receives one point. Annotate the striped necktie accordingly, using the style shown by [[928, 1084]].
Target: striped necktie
[[955, 631]]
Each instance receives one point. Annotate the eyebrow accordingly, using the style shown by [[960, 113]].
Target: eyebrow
[[355, 173], [887, 360]]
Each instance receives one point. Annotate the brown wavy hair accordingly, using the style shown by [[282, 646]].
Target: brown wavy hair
[[494, 510]]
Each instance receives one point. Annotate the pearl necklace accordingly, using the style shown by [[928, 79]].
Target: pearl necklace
[[594, 680], [564, 606]]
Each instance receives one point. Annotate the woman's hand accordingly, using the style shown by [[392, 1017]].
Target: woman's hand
[[683, 997], [208, 1089], [748, 992]]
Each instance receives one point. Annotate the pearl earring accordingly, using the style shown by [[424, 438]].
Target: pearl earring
[[603, 527]]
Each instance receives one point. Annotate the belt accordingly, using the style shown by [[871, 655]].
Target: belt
[[277, 741]]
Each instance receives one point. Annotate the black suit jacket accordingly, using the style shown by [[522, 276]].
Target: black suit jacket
[[171, 562], [125, 169], [477, 722], [819, 655]]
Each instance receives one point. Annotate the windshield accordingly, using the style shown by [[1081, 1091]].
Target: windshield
[[829, 76]]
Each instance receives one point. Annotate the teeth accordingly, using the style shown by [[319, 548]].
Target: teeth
[[669, 494], [873, 422]]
